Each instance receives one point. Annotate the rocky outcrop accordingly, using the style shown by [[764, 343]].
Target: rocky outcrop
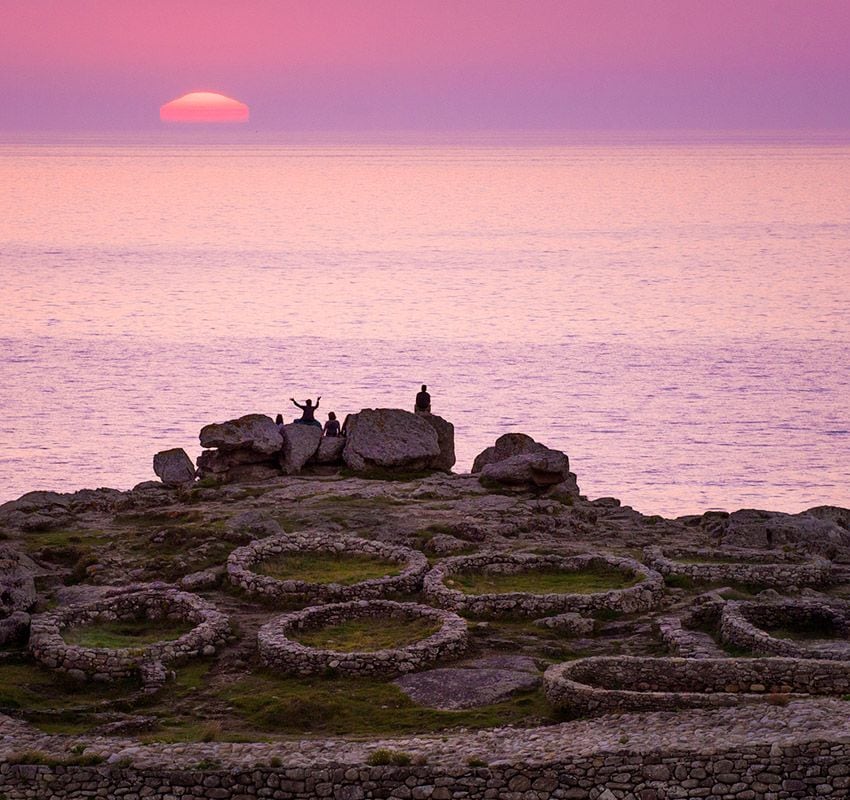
[[517, 460], [819, 530], [389, 438], [300, 443], [246, 449], [17, 582], [174, 467]]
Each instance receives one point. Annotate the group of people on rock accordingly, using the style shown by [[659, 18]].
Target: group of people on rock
[[332, 427]]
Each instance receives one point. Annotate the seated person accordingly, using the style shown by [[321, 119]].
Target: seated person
[[278, 420], [332, 425], [308, 412], [423, 402]]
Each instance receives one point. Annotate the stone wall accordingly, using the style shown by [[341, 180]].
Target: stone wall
[[49, 648], [242, 561], [280, 652], [743, 624], [770, 568], [623, 683], [644, 595], [762, 772]]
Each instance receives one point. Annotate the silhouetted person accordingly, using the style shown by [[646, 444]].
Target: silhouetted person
[[423, 401], [278, 420], [332, 425], [308, 412]]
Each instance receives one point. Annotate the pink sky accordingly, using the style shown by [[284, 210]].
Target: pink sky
[[430, 64]]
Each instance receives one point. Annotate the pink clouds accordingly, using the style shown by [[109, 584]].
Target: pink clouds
[[434, 63]]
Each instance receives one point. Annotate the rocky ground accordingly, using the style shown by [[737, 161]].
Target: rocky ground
[[62, 549]]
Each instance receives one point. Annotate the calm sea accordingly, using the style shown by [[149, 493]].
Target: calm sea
[[673, 313]]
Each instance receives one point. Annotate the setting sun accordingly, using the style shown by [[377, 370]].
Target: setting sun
[[204, 107]]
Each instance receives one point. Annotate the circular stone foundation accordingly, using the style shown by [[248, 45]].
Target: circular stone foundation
[[758, 626], [603, 685], [768, 568], [243, 562], [280, 648], [645, 594], [210, 629]]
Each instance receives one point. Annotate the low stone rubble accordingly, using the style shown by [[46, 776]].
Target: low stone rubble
[[644, 595], [242, 561], [49, 648], [280, 652], [773, 568], [605, 684]]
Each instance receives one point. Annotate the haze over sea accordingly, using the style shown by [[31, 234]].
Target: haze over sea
[[672, 311]]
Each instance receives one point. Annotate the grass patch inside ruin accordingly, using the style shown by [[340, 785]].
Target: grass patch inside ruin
[[548, 581], [369, 634], [318, 567], [126, 633]]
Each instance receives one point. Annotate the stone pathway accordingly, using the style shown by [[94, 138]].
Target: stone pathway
[[697, 731]]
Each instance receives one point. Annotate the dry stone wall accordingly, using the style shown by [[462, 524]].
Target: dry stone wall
[[242, 563], [606, 684], [761, 772], [744, 624], [774, 569], [280, 650], [644, 595], [48, 647]]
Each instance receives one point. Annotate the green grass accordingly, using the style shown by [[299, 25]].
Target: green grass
[[366, 635], [362, 706], [547, 581], [126, 633], [318, 567], [28, 687]]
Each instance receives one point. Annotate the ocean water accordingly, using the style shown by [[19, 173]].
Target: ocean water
[[670, 311]]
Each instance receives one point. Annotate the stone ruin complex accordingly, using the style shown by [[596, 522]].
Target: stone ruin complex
[[720, 668]]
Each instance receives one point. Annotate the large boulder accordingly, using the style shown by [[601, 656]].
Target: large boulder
[[330, 450], [247, 449], [174, 467], [517, 460], [390, 438], [300, 443], [255, 432], [445, 439], [507, 446], [17, 582]]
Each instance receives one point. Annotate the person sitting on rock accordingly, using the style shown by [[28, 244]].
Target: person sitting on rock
[[332, 425], [423, 401], [278, 420], [308, 412]]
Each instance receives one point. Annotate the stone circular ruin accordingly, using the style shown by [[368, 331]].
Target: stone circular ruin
[[280, 649], [209, 632], [642, 596], [615, 684], [769, 568], [748, 625], [242, 563]]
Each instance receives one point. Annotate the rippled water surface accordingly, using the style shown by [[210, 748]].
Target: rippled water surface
[[673, 315]]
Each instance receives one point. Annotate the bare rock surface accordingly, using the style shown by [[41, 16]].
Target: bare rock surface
[[390, 438], [174, 467], [476, 683], [445, 439]]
